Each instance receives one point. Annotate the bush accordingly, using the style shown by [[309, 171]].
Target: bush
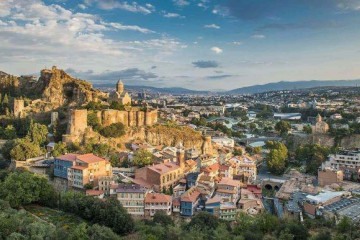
[[114, 130]]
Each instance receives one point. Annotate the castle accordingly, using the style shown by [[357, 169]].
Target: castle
[[120, 95], [134, 117]]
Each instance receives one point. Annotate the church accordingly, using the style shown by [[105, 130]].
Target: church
[[120, 95], [320, 126]]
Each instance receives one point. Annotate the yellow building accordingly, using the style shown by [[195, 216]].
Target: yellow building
[[88, 168]]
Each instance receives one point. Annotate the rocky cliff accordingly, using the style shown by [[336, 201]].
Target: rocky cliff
[[171, 135], [54, 87], [59, 88]]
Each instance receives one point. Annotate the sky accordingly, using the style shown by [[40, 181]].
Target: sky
[[195, 44]]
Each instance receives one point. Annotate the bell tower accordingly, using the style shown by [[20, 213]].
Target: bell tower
[[120, 87]]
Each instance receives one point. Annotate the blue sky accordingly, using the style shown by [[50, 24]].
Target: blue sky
[[197, 44]]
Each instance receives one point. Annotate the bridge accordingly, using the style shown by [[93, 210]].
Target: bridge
[[248, 141], [272, 183]]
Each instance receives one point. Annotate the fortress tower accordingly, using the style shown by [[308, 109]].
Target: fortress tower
[[180, 156], [18, 107]]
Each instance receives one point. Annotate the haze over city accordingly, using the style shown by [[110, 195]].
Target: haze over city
[[197, 44]]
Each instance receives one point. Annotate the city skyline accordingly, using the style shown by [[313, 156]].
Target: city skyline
[[197, 44]]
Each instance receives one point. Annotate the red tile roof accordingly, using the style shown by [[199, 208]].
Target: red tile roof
[[212, 168], [90, 158], [68, 157], [157, 198], [91, 192], [190, 195], [230, 182], [164, 167]]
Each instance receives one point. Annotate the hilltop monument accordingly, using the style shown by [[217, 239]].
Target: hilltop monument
[[120, 95]]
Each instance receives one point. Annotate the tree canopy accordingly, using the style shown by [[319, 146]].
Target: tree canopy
[[142, 158], [277, 157]]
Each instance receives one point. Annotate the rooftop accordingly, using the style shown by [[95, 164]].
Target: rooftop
[[164, 167], [90, 158], [157, 198], [68, 157]]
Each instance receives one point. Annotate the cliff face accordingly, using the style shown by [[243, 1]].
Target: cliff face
[[170, 136], [352, 141], [59, 88], [54, 87]]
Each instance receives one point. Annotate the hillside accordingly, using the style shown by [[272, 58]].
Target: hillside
[[284, 85], [154, 90]]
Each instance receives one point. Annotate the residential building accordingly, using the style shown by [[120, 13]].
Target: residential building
[[329, 176], [105, 184], [229, 190], [62, 163], [223, 210], [87, 169], [155, 202], [313, 203], [160, 176], [347, 161], [131, 197], [189, 201]]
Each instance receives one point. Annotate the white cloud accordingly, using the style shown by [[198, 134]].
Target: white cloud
[[126, 6], [173, 15], [44, 34], [216, 50], [120, 26], [181, 3], [237, 43], [212, 26], [82, 6], [221, 10], [258, 36]]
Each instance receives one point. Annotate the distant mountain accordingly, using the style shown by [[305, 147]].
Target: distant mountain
[[173, 90], [284, 85]]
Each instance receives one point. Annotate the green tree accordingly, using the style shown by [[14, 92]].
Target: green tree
[[307, 129], [117, 106], [93, 121], [282, 127], [37, 133], [114, 130], [6, 149], [98, 232], [142, 158], [277, 157], [9, 132], [24, 149], [163, 219], [23, 188], [60, 148], [238, 152]]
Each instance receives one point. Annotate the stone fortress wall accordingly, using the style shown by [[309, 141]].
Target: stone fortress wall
[[135, 117]]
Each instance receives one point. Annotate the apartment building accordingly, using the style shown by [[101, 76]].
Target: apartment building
[[88, 168], [155, 202], [132, 197]]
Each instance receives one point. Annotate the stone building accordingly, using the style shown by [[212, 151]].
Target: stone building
[[160, 176], [320, 126], [120, 95], [76, 126], [328, 176], [134, 117]]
